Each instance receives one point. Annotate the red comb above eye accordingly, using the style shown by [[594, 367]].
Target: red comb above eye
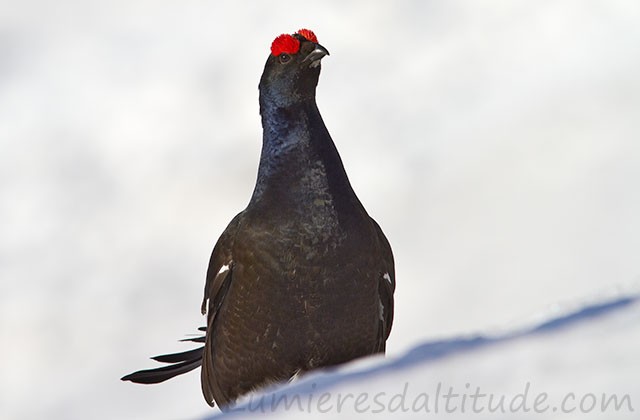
[[285, 44], [309, 35]]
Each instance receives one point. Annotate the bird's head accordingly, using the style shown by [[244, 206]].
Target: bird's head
[[292, 69]]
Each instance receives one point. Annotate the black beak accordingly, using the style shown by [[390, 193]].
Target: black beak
[[316, 55]]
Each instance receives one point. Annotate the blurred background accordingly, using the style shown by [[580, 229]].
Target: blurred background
[[497, 144]]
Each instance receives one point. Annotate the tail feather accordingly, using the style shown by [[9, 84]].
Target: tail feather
[[182, 362], [157, 375], [190, 355], [199, 339], [195, 339]]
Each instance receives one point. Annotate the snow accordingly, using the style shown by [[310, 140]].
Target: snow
[[496, 143]]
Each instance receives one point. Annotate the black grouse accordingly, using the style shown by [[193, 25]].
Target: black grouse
[[303, 277]]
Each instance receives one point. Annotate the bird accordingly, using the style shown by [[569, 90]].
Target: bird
[[303, 278]]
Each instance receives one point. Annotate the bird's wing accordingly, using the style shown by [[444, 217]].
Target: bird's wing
[[386, 288], [219, 275]]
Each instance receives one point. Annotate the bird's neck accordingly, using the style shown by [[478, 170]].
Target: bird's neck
[[299, 162]]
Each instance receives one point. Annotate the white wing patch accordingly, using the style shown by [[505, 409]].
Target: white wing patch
[[387, 277], [380, 310], [223, 269]]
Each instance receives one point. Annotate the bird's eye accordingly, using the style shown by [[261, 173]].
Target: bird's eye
[[284, 58]]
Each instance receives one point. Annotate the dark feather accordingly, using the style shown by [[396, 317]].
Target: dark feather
[[182, 362], [154, 376], [189, 355], [200, 339]]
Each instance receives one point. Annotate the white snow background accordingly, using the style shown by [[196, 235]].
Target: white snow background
[[496, 143]]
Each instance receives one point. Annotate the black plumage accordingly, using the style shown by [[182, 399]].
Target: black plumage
[[303, 277]]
